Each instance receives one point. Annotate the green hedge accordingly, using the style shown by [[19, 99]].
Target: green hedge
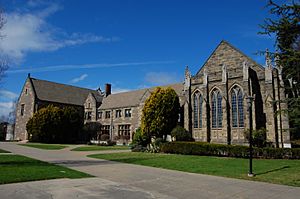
[[208, 149]]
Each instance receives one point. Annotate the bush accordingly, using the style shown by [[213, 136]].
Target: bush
[[140, 139], [181, 134], [295, 143], [259, 137], [55, 125], [208, 149], [104, 137]]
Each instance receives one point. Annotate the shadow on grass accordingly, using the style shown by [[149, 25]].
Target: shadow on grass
[[273, 170]]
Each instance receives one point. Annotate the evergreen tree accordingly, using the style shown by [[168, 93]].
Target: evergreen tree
[[160, 113], [285, 25]]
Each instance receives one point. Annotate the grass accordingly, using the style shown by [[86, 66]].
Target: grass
[[100, 148], [285, 172], [3, 151], [45, 146], [16, 168]]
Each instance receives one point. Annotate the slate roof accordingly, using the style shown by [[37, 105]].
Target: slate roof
[[62, 93], [132, 98]]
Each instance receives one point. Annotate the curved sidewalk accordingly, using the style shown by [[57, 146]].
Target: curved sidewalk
[[119, 180]]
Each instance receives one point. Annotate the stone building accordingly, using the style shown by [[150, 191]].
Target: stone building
[[37, 94], [216, 107], [213, 101]]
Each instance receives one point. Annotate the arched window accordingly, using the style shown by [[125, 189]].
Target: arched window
[[198, 101], [200, 110], [216, 108], [237, 109], [196, 110]]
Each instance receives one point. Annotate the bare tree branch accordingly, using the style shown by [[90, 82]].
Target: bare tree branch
[[3, 61]]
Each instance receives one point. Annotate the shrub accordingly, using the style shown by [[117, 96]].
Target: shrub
[[208, 149], [140, 139], [104, 137], [258, 137], [181, 134]]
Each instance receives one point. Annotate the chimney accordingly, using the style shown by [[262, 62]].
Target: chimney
[[107, 89]]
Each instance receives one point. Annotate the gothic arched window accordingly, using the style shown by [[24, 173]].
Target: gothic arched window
[[198, 101], [216, 108], [237, 109], [196, 106]]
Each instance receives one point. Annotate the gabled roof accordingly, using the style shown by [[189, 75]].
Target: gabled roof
[[223, 42], [133, 98], [61, 93]]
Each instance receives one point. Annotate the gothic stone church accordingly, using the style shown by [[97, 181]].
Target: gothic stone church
[[213, 101]]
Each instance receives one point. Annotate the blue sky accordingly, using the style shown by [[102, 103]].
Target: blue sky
[[131, 44]]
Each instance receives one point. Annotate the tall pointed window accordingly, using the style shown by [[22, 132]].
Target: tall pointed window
[[198, 101], [216, 108], [196, 106], [237, 109]]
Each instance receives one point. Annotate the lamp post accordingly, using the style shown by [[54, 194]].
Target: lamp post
[[249, 102]]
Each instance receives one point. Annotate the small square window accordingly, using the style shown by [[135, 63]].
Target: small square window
[[127, 112], [107, 114], [118, 113], [100, 115]]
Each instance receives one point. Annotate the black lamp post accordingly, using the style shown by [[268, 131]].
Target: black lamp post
[[249, 102]]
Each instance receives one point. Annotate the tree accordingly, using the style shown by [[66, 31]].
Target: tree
[[285, 25], [92, 130], [160, 113], [3, 62], [55, 125]]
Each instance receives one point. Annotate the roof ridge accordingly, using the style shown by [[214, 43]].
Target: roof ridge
[[141, 89], [61, 84]]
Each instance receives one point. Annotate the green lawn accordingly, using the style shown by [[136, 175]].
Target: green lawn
[[45, 146], [16, 168], [3, 151], [100, 148], [285, 172]]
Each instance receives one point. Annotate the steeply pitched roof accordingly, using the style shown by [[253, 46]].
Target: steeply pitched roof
[[61, 93], [133, 98]]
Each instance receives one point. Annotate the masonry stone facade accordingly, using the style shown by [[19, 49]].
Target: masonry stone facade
[[213, 101]]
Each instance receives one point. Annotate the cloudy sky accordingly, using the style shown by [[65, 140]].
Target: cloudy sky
[[131, 44]]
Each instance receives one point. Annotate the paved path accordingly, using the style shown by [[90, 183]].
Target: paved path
[[119, 180]]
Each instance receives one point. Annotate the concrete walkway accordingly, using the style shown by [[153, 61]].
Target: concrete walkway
[[119, 180]]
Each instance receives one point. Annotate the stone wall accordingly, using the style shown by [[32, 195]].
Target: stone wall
[[27, 98]]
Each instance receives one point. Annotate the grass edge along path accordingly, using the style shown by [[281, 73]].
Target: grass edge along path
[[100, 148], [45, 146], [285, 172], [17, 168], [3, 151]]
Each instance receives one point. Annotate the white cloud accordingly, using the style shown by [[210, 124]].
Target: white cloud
[[115, 90], [5, 95], [6, 108], [84, 66], [78, 79], [26, 32], [161, 78]]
